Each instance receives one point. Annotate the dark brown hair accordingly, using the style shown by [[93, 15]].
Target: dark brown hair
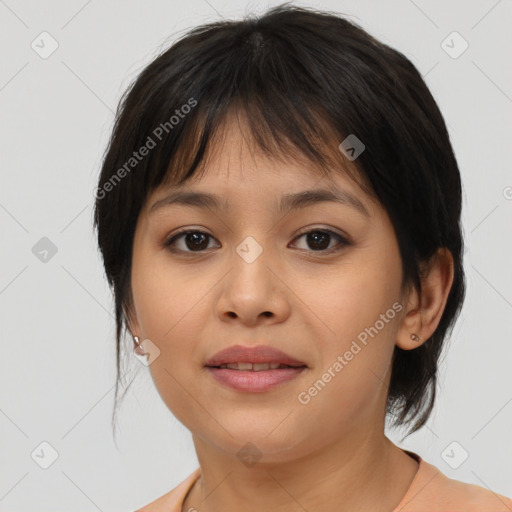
[[300, 76]]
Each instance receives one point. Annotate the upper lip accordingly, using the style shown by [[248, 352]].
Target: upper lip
[[258, 354]]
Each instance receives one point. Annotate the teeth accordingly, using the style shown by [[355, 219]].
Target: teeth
[[256, 367], [240, 366], [260, 366]]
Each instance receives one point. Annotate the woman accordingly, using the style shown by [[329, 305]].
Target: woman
[[279, 216]]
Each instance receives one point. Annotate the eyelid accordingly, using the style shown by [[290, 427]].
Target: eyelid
[[329, 229], [343, 239]]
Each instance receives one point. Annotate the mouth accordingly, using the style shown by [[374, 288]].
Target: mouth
[[253, 369], [257, 378], [256, 358], [256, 367]]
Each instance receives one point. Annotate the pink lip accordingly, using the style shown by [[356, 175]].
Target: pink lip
[[255, 382], [259, 354]]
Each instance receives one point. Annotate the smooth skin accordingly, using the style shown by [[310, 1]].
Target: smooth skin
[[331, 453]]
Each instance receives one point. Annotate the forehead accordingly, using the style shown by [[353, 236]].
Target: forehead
[[235, 152], [281, 187], [235, 168]]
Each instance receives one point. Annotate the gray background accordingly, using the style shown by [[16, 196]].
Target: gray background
[[57, 370]]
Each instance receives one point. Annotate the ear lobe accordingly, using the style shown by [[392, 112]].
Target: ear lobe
[[132, 323], [411, 332], [426, 308]]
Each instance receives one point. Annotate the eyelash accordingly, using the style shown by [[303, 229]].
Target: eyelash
[[168, 244]]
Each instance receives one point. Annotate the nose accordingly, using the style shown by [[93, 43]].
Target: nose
[[252, 292]]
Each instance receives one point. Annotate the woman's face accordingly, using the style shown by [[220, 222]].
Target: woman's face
[[254, 278]]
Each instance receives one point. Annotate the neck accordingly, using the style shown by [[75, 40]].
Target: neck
[[368, 473]]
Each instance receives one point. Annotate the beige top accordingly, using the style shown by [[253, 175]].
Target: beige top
[[430, 491]]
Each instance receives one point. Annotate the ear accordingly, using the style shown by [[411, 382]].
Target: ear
[[132, 324], [424, 311]]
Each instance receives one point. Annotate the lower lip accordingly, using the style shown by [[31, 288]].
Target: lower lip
[[254, 382]]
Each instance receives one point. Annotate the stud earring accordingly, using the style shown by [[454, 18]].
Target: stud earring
[[138, 348], [414, 337]]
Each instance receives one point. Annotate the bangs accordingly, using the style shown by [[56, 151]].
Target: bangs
[[260, 82], [309, 139]]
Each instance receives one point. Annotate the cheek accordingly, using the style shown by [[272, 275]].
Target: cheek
[[166, 306], [356, 303], [352, 296], [355, 352], [162, 297]]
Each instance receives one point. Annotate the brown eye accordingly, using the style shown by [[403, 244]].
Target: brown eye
[[193, 241], [319, 240]]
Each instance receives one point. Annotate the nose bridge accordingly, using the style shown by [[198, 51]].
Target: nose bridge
[[249, 249], [251, 291], [250, 268]]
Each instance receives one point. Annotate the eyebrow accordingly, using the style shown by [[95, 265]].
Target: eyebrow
[[288, 203]]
